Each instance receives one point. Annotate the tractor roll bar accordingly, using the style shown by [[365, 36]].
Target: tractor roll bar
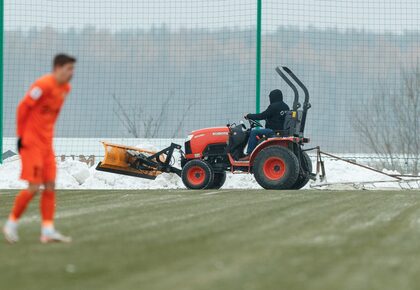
[[299, 82], [296, 104], [306, 104]]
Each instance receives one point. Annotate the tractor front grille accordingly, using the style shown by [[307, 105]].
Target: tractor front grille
[[188, 147]]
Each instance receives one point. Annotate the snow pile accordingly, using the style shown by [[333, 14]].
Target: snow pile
[[341, 175], [77, 175], [9, 173]]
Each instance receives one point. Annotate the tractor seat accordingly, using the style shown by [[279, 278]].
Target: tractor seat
[[277, 133]]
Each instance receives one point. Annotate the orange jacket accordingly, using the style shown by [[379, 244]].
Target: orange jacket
[[39, 109]]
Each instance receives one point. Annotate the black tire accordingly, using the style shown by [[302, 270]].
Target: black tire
[[219, 180], [197, 174], [276, 167], [306, 166]]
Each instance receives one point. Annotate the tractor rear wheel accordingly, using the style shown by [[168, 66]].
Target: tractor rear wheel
[[197, 174], [306, 170], [276, 167], [219, 180]]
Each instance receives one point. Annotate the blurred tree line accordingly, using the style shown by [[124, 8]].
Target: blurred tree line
[[199, 77]]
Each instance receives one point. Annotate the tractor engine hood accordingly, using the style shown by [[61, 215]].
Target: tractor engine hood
[[215, 131], [198, 140]]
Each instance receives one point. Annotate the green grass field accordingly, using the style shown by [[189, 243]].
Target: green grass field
[[177, 239]]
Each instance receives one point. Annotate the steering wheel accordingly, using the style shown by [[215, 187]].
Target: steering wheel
[[254, 123]]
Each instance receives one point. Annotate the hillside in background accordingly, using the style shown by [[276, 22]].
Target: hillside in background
[[195, 78]]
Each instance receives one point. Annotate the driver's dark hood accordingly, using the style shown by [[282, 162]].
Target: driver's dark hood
[[276, 96]]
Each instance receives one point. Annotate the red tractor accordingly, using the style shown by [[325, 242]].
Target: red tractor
[[277, 162]]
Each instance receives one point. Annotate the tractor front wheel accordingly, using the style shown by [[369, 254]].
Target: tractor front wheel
[[219, 180], [197, 174], [276, 167]]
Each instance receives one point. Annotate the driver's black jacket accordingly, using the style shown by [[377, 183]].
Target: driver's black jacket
[[274, 115]]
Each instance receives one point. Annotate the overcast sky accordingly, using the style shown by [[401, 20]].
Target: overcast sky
[[375, 15]]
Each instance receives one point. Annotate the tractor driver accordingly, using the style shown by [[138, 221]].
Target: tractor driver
[[274, 117]]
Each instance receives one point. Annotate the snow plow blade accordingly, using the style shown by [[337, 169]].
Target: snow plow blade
[[132, 161]]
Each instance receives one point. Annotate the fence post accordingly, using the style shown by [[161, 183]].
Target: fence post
[[258, 58], [1, 77]]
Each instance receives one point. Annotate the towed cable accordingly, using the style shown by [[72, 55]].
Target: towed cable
[[320, 172]]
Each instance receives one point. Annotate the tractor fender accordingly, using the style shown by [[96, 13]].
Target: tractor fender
[[277, 141]]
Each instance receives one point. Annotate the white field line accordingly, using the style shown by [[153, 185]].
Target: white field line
[[2, 192], [107, 207], [303, 212], [217, 191], [202, 213], [161, 200]]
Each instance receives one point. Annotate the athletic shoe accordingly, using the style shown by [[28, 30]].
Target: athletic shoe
[[53, 236], [10, 232]]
